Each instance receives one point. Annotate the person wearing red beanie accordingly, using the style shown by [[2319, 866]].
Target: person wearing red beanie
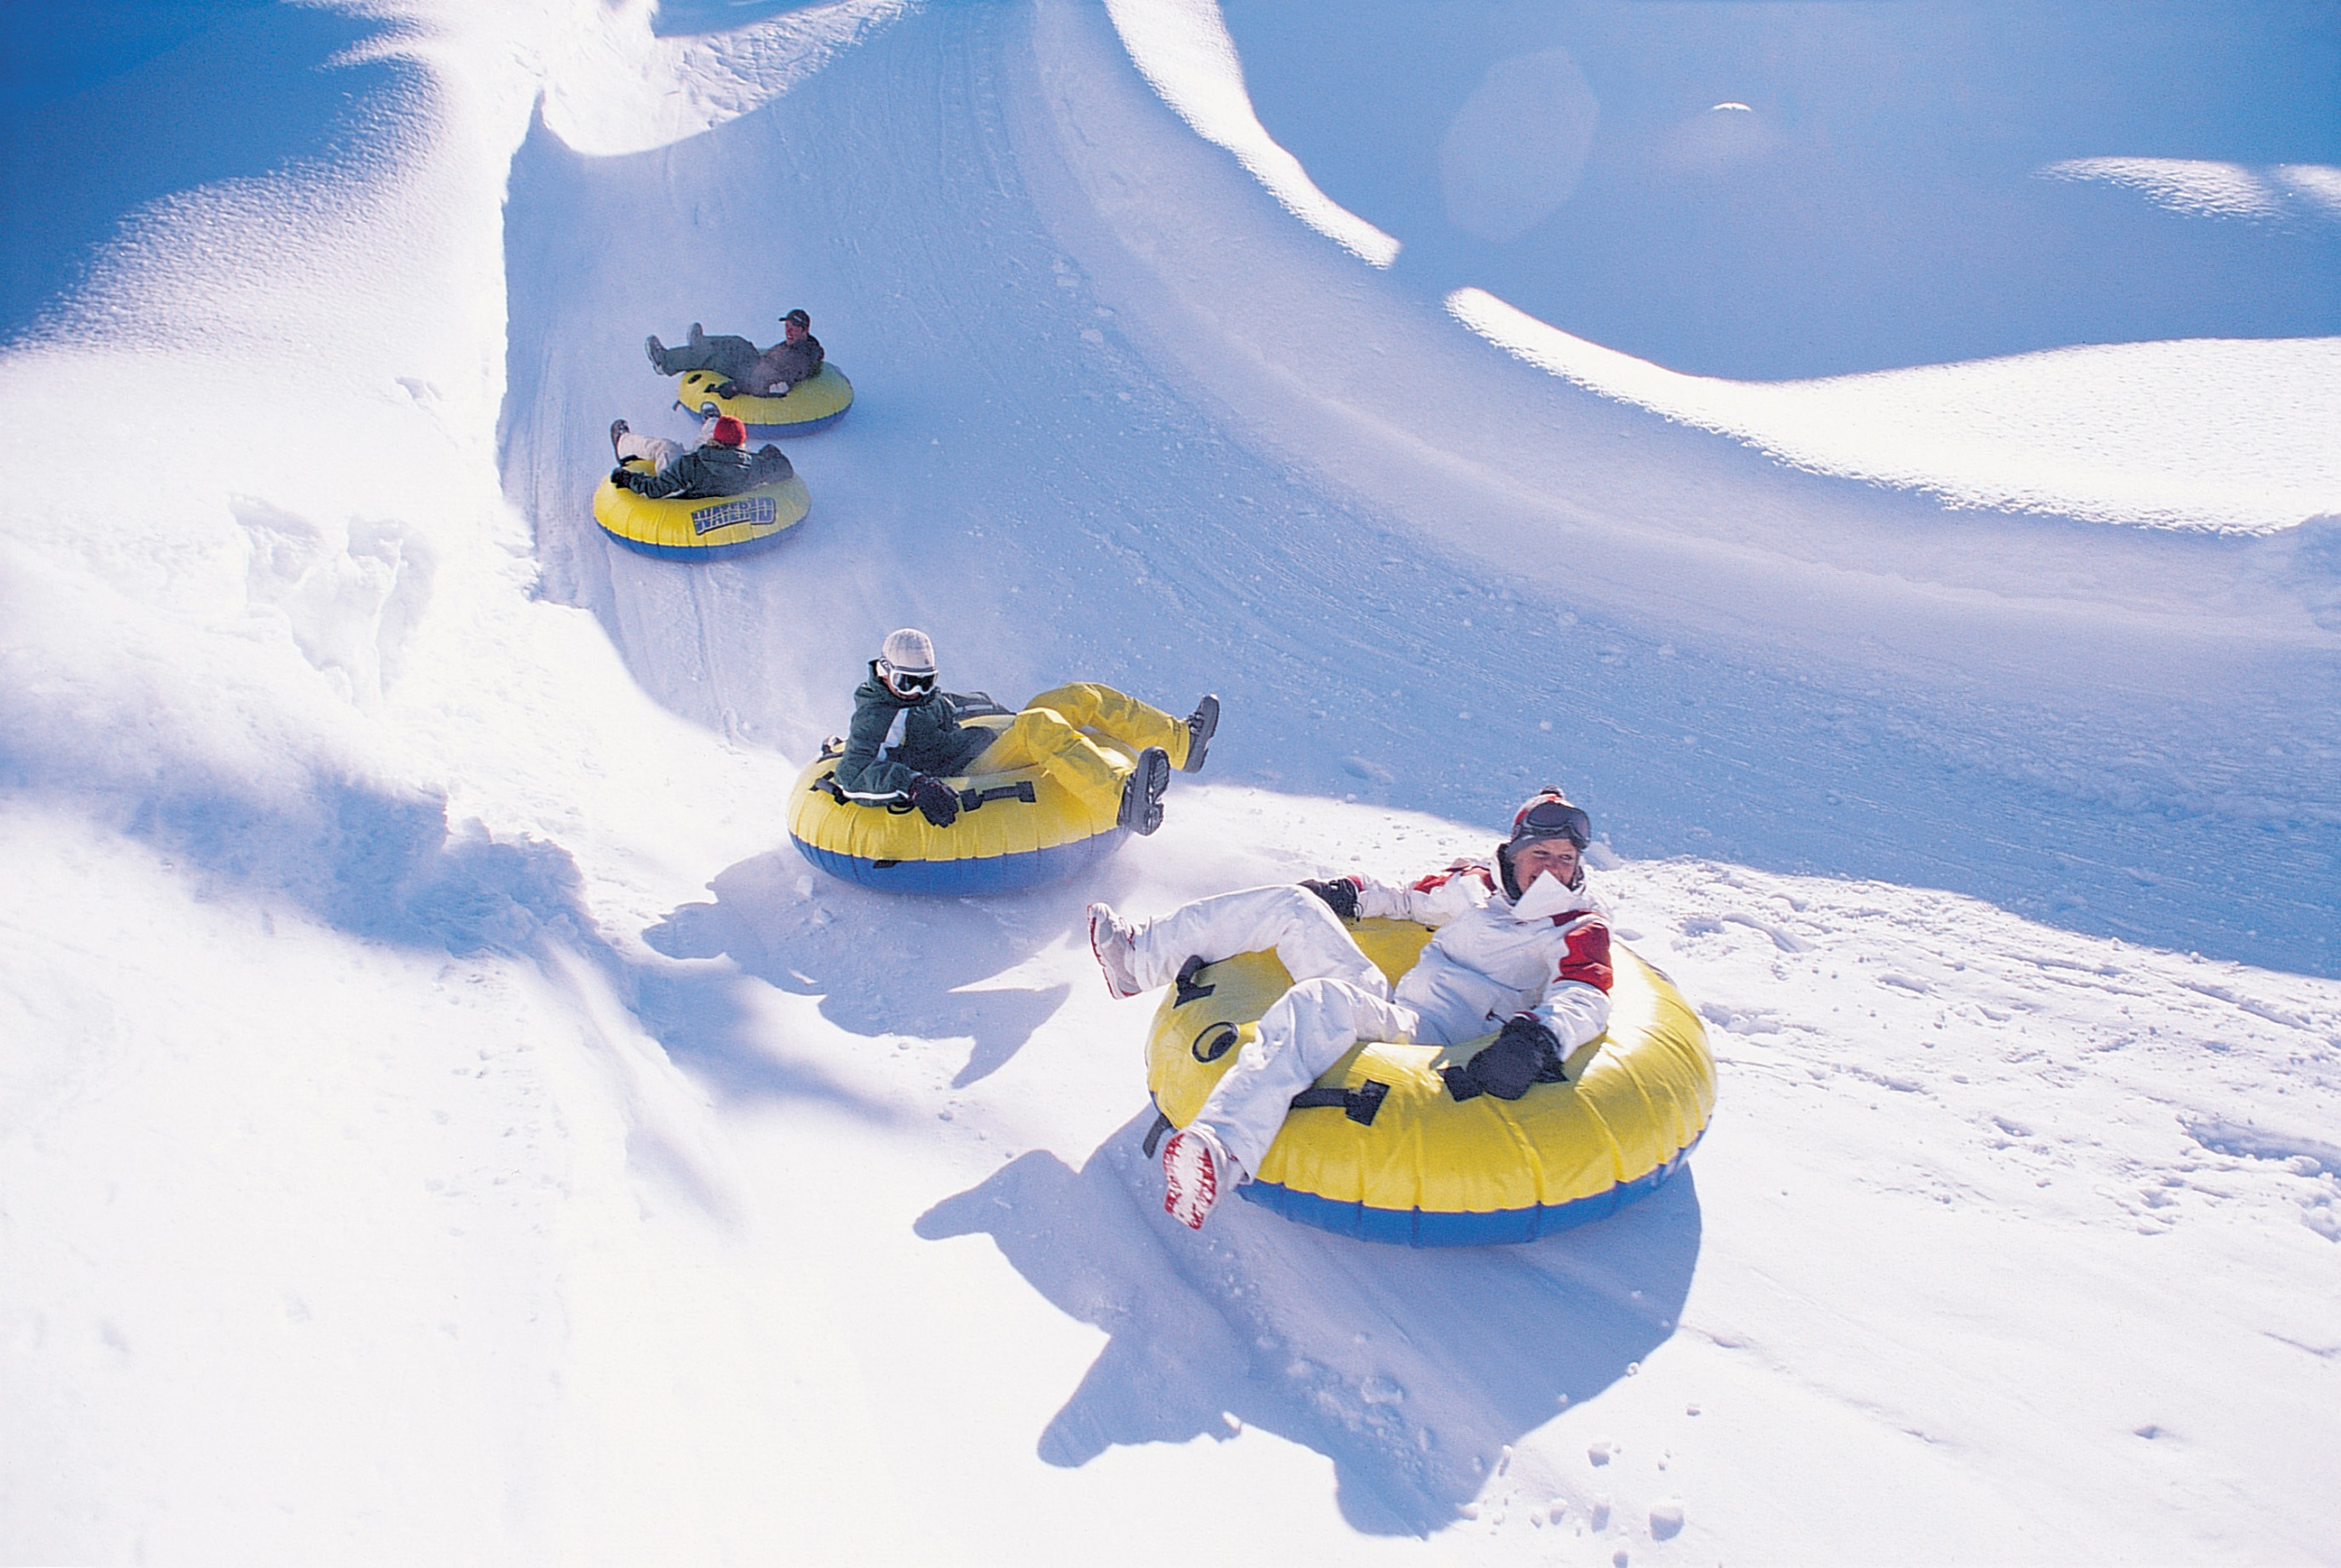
[[720, 465]]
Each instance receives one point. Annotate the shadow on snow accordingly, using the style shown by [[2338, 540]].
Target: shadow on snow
[[210, 94], [1411, 1371], [388, 867], [882, 964]]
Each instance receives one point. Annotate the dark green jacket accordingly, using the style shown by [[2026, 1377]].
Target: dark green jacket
[[700, 474], [932, 741]]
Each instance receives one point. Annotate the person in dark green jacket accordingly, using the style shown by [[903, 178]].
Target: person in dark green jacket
[[718, 466], [906, 737]]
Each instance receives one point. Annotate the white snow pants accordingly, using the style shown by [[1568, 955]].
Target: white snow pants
[[1337, 998], [661, 451]]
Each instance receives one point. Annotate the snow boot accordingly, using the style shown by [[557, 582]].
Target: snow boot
[[657, 352], [1196, 1170], [1200, 726], [1113, 939], [698, 334], [617, 428], [1141, 792]]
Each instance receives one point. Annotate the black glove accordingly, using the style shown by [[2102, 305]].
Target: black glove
[[1519, 1056], [1341, 893], [937, 800], [728, 390], [617, 476]]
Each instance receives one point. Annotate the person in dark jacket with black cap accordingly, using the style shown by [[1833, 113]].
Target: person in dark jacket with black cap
[[796, 358]]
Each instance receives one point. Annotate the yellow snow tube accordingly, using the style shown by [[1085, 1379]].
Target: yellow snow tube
[[1015, 829], [701, 530], [1399, 1159], [811, 404]]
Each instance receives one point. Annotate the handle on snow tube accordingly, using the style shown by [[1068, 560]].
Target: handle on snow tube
[[1361, 1105], [969, 800], [1154, 1134], [1188, 990]]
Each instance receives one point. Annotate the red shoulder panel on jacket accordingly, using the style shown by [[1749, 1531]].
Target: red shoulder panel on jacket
[[1588, 957]]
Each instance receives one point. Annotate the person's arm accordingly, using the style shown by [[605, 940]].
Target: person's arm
[[789, 364], [770, 370], [1533, 1047], [1434, 900], [1576, 1002], [673, 480], [1340, 893], [859, 772]]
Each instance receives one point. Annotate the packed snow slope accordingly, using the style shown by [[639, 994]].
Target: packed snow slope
[[441, 1120], [1176, 432]]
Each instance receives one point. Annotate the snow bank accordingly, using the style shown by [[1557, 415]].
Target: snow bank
[[611, 87], [2200, 187], [1182, 49], [2232, 436]]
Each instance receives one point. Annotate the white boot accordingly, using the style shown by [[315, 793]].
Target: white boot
[[1196, 1170], [1113, 939]]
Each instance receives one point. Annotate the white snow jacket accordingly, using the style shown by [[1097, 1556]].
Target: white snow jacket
[[1490, 958]]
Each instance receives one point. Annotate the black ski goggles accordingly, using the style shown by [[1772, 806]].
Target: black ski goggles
[[1553, 819]]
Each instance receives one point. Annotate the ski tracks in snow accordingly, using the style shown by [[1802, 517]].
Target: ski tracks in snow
[[2079, 1063]]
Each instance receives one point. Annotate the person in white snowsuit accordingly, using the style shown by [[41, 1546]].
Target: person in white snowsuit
[[1522, 949]]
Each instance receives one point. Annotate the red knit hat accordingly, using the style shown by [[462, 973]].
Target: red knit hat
[[728, 431]]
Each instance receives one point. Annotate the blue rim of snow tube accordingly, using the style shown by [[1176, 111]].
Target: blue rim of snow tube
[[697, 552], [773, 432], [776, 433], [991, 873], [1415, 1227]]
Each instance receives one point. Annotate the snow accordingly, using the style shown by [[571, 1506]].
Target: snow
[[2198, 186], [442, 1120], [2084, 432], [606, 93], [1182, 49]]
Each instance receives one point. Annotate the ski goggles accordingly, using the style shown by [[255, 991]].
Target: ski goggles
[[1553, 819], [909, 683]]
